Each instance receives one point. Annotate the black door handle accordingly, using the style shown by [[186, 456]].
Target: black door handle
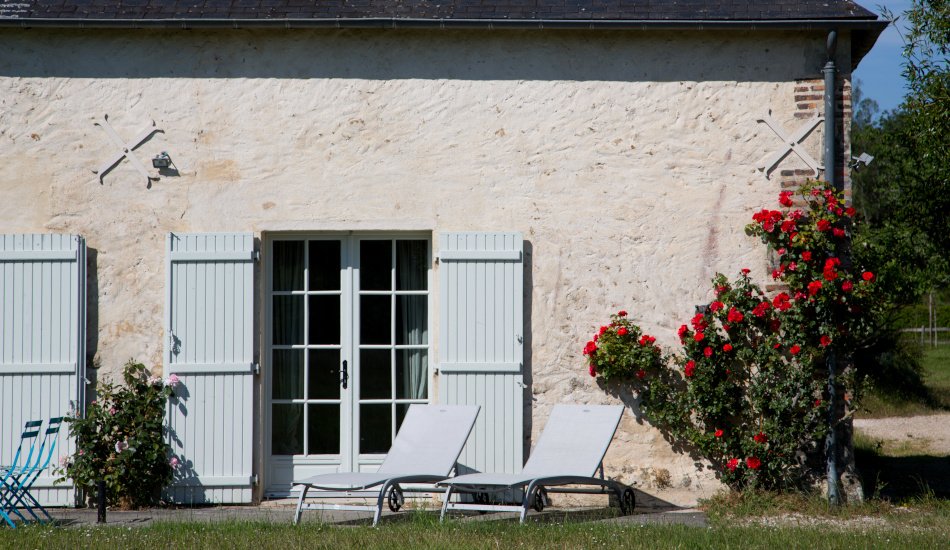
[[344, 376]]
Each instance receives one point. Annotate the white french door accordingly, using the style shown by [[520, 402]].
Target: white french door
[[347, 343]]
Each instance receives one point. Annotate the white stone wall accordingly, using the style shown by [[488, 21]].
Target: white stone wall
[[627, 159]]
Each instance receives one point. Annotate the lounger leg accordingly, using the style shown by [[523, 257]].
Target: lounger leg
[[445, 503], [526, 502], [379, 502], [303, 495]]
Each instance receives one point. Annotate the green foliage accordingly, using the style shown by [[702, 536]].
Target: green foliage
[[120, 440], [745, 391]]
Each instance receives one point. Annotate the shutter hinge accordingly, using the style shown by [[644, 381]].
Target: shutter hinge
[[256, 254], [257, 367], [254, 480]]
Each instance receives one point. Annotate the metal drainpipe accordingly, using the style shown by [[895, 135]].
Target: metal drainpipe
[[831, 443]]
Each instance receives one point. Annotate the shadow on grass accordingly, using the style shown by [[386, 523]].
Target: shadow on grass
[[901, 478]]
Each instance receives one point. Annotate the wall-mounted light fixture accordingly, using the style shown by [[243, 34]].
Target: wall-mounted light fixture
[[161, 160], [862, 161]]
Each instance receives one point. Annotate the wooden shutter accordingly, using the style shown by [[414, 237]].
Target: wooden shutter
[[481, 278], [210, 347], [42, 342]]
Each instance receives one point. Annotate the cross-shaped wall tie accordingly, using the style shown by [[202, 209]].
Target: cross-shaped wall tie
[[125, 150], [792, 143]]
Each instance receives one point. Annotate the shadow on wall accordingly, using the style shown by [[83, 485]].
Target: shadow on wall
[[622, 56], [527, 374]]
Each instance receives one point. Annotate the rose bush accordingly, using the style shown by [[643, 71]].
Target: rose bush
[[121, 439], [746, 388]]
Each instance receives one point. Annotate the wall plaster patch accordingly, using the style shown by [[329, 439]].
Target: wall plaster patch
[[125, 150], [792, 143]]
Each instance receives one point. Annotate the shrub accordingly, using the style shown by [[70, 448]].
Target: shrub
[[746, 389], [120, 440]]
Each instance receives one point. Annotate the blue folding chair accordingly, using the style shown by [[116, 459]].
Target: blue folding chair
[[31, 429], [18, 481]]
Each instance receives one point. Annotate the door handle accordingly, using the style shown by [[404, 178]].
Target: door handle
[[344, 375]]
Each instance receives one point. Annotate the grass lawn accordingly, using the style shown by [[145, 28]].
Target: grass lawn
[[936, 371], [928, 530]]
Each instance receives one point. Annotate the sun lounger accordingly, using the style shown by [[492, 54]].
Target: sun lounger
[[570, 451], [429, 442]]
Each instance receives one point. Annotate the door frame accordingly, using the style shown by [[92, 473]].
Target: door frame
[[349, 348]]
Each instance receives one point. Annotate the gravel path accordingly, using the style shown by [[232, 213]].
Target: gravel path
[[931, 432]]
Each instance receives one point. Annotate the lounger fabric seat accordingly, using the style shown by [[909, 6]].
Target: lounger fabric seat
[[570, 451], [425, 450]]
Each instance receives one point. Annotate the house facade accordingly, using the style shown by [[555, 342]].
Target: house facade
[[317, 216]]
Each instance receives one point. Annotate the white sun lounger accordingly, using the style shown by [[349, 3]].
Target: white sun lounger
[[425, 450], [570, 451]]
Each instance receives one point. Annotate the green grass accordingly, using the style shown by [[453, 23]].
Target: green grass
[[425, 532], [936, 374]]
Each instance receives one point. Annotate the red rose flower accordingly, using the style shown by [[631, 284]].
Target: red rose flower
[[592, 370], [782, 302], [788, 226], [806, 255], [850, 211], [699, 336], [794, 350], [753, 463], [622, 313], [830, 274], [817, 403], [847, 286], [699, 322], [602, 330], [622, 331], [814, 287], [732, 464], [761, 309], [745, 270], [825, 340], [715, 306], [590, 348], [832, 263], [735, 316], [760, 438], [785, 198], [727, 347], [646, 340], [641, 374], [690, 368], [838, 233], [718, 432], [823, 225], [682, 332], [708, 351], [867, 276], [774, 325]]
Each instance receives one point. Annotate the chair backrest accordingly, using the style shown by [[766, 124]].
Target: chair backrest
[[50, 438], [31, 429], [430, 439], [574, 440]]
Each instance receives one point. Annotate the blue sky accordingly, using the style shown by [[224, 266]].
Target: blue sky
[[880, 71]]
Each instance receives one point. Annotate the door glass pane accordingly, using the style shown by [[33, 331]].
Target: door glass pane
[[287, 436], [412, 321], [288, 265], [288, 320], [288, 374], [324, 368], [324, 437], [324, 265], [324, 321], [375, 319], [411, 265], [401, 410], [375, 428], [412, 373], [375, 374], [376, 265]]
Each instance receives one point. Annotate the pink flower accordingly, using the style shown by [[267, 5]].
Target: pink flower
[[64, 461], [173, 462], [172, 381], [112, 410], [121, 446]]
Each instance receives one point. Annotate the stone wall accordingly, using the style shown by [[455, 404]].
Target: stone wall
[[628, 160]]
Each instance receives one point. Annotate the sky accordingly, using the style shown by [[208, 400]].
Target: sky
[[880, 71]]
